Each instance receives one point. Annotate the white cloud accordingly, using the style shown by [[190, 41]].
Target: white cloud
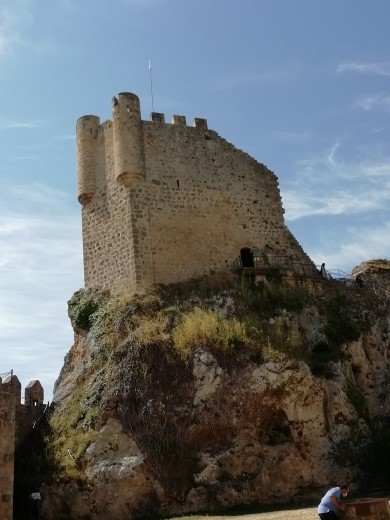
[[304, 204], [342, 205], [14, 15], [358, 244], [381, 101], [40, 268], [328, 185], [9, 125], [66, 137], [382, 69]]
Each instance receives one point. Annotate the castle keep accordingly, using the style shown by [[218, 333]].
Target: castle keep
[[163, 203]]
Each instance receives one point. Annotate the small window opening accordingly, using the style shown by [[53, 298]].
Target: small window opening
[[178, 183]]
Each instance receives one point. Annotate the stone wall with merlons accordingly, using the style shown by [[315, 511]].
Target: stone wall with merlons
[[164, 203], [16, 420]]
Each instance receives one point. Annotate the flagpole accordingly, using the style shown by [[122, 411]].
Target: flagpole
[[151, 84]]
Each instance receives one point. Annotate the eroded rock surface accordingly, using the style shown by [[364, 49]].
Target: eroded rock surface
[[245, 433]]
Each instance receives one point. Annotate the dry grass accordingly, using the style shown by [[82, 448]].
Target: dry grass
[[309, 513], [380, 263], [207, 329]]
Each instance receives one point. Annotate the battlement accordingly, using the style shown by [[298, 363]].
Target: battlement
[[157, 117], [15, 420], [33, 393], [127, 135], [164, 202]]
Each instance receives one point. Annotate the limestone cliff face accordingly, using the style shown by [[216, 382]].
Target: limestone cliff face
[[216, 431]]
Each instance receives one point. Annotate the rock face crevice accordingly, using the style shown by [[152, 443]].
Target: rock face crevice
[[220, 431]]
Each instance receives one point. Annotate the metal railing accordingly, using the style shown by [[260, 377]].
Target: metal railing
[[363, 283], [5, 375], [286, 264]]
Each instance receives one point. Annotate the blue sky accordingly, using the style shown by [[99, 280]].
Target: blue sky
[[301, 85]]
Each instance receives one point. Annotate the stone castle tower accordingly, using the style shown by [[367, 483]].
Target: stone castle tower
[[163, 203]]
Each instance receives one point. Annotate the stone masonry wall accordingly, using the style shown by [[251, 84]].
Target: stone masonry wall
[[107, 236], [16, 420], [189, 203], [7, 449]]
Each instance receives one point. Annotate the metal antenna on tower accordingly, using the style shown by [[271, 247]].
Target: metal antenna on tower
[[151, 84]]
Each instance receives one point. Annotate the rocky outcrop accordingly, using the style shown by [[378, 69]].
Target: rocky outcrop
[[244, 432]]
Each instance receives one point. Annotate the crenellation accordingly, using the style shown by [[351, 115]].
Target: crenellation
[[12, 385], [33, 394], [171, 203], [200, 123], [15, 420], [179, 120], [157, 117]]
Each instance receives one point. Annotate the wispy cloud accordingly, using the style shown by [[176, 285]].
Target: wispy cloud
[[381, 69], [329, 185], [340, 209], [14, 15], [276, 75], [291, 137], [9, 125], [310, 203], [376, 101], [358, 243], [66, 137], [40, 268]]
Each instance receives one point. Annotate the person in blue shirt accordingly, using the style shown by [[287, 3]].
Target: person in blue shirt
[[330, 503]]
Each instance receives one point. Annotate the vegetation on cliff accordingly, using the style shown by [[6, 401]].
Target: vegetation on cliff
[[141, 352]]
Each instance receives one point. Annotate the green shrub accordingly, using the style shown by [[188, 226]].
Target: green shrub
[[340, 326], [83, 305], [71, 434], [102, 329], [269, 298]]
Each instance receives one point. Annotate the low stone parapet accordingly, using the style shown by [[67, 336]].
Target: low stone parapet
[[367, 509]]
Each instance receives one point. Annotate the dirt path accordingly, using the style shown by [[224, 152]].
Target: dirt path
[[309, 513], [287, 514]]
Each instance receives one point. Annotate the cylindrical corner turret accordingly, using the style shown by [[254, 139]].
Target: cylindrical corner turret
[[86, 134], [129, 154]]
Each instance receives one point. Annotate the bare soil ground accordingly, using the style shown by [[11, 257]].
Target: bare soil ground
[[308, 513], [287, 514]]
